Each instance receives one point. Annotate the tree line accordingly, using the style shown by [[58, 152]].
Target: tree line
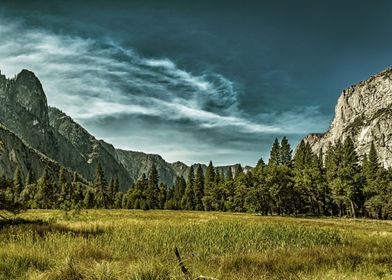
[[335, 183]]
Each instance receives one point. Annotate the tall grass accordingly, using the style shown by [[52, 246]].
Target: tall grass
[[125, 244]]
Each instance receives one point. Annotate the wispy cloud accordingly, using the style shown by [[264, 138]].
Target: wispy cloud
[[90, 79]]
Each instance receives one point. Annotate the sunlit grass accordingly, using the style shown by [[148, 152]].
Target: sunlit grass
[[127, 244]]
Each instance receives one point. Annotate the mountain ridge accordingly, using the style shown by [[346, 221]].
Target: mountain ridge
[[56, 135]]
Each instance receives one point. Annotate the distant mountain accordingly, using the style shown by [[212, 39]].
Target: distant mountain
[[364, 113], [45, 136]]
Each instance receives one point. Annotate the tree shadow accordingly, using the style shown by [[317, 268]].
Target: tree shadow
[[4, 223], [42, 228]]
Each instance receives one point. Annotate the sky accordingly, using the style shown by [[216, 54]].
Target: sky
[[197, 80]]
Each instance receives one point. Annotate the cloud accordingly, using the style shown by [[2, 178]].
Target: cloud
[[91, 79]]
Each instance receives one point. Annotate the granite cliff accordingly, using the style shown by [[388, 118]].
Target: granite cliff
[[364, 113]]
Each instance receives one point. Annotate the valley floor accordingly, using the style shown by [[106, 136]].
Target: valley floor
[[131, 244]]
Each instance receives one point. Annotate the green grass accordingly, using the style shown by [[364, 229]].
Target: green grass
[[128, 244]]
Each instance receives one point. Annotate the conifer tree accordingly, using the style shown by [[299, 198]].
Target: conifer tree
[[100, 188], [210, 180], [260, 163], [29, 191], [299, 157], [350, 173], [275, 153], [89, 200], [238, 171], [370, 164], [218, 177], [188, 200], [118, 200], [76, 193], [285, 152], [17, 185], [113, 190], [44, 191], [179, 191], [375, 182], [229, 175], [152, 191], [64, 198], [116, 185], [29, 178], [210, 192], [333, 161], [199, 188], [162, 195]]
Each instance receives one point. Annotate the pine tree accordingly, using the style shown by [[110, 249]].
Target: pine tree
[[64, 199], [199, 188], [152, 191], [374, 182], [370, 164], [210, 180], [162, 195], [179, 191], [113, 190], [29, 178], [116, 186], [43, 195], [350, 173], [285, 152], [110, 193], [275, 153], [344, 177], [29, 191], [210, 192], [118, 200], [229, 175], [333, 161], [89, 199], [100, 188], [17, 185], [218, 177], [299, 157], [260, 163], [238, 171], [76, 193], [188, 200]]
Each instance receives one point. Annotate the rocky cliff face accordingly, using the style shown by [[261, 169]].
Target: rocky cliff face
[[34, 135], [91, 150], [14, 153], [25, 112], [364, 113]]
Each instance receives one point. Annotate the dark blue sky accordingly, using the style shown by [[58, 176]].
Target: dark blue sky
[[197, 80]]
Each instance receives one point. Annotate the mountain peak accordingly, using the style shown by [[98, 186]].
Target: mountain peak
[[363, 113], [28, 92]]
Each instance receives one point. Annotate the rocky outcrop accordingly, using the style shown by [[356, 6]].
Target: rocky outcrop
[[364, 113], [14, 153], [91, 150], [25, 112]]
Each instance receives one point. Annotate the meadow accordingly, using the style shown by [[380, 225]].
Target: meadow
[[135, 244]]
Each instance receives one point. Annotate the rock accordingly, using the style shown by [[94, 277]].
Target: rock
[[364, 113], [16, 153]]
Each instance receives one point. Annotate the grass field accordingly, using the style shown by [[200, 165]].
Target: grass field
[[127, 244]]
